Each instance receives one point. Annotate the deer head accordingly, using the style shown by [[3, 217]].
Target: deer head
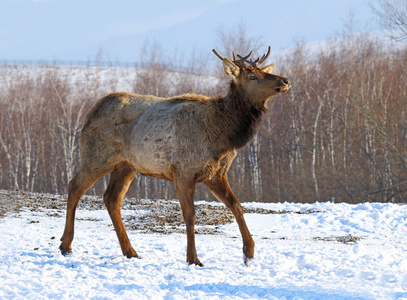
[[256, 81]]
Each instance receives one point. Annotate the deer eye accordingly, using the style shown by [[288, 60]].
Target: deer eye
[[252, 76]]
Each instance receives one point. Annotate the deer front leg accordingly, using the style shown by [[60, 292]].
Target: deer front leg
[[185, 192], [220, 188]]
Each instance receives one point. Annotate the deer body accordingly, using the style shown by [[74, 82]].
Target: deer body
[[157, 136], [185, 139]]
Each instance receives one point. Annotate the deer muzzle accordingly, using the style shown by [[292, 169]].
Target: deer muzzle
[[285, 86]]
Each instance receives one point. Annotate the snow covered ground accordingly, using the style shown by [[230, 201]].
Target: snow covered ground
[[99, 79], [339, 251]]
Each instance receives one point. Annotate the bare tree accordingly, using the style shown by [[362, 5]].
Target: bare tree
[[151, 77], [392, 15], [340, 131], [237, 40]]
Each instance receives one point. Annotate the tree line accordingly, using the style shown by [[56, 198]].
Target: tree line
[[340, 132]]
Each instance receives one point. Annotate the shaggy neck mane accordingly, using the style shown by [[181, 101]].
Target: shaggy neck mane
[[243, 116]]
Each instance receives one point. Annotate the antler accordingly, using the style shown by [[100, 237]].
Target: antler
[[240, 61], [217, 54], [265, 56], [244, 60], [258, 61]]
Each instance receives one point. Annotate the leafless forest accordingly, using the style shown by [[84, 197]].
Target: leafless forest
[[340, 132]]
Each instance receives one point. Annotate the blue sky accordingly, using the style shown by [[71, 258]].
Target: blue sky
[[79, 29]]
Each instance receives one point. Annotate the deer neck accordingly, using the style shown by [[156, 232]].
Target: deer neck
[[243, 115]]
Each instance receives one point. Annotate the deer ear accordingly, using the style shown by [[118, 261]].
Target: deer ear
[[230, 68], [268, 69]]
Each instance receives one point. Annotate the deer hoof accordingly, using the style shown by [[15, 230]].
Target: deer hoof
[[247, 261], [65, 252], [197, 263], [131, 254]]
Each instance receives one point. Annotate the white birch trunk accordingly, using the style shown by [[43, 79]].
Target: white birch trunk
[[314, 146]]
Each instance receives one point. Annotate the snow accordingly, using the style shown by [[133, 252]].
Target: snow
[[99, 79], [298, 256]]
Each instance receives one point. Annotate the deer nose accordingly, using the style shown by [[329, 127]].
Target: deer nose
[[285, 81]]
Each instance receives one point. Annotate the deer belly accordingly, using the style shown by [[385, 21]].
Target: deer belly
[[152, 153]]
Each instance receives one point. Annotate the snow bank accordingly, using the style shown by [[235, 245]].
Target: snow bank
[[298, 256]]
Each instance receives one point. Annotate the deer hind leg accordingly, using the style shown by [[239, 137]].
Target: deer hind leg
[[81, 182], [185, 191], [120, 180], [220, 188]]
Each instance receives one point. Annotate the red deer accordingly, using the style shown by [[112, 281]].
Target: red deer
[[185, 139]]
